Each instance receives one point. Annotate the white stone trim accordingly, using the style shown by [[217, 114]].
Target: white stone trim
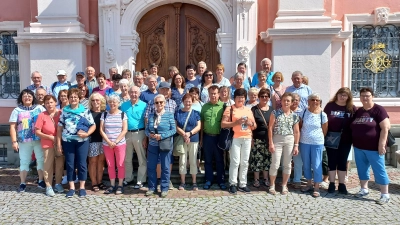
[[127, 45], [363, 19]]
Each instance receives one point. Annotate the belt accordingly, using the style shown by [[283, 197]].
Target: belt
[[136, 130], [212, 135]]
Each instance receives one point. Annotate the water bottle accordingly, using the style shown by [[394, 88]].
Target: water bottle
[[244, 125]]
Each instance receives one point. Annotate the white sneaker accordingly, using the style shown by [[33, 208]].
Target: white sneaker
[[324, 185], [50, 192], [138, 185], [64, 180], [383, 200], [362, 193]]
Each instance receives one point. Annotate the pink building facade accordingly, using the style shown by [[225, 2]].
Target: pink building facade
[[329, 41]]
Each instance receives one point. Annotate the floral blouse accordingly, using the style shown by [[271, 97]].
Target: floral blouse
[[73, 120], [284, 124]]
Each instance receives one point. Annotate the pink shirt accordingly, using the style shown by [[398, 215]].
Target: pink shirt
[[46, 125], [101, 91]]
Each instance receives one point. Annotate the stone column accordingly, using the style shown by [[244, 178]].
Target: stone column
[[57, 41], [304, 39], [246, 30]]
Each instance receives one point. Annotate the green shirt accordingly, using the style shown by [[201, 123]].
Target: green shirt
[[211, 116]]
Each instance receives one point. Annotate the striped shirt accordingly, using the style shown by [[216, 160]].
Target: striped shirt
[[113, 127]]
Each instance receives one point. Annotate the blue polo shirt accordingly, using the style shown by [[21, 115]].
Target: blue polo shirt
[[60, 86], [147, 96], [304, 91], [135, 114], [269, 81]]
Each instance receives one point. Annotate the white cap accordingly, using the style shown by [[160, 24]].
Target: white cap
[[61, 72]]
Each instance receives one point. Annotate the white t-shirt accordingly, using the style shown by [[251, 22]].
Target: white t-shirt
[[311, 133]]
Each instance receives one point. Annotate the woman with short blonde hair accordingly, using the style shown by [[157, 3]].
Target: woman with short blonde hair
[[252, 97]]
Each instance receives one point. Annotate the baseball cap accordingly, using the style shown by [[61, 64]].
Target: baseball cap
[[61, 72], [164, 84], [80, 74]]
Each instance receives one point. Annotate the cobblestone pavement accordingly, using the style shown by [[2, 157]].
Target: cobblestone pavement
[[200, 207]]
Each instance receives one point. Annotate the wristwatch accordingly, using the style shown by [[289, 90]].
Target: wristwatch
[[190, 133]]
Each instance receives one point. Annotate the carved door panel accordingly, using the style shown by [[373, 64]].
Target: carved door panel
[[156, 35], [176, 35]]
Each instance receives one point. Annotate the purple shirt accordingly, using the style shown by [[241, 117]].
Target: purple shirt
[[336, 114], [365, 127]]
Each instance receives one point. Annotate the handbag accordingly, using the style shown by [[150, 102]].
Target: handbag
[[178, 140], [226, 136], [165, 144], [332, 139]]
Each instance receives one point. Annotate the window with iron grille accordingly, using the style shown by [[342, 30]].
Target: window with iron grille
[[375, 60], [9, 65], [3, 152]]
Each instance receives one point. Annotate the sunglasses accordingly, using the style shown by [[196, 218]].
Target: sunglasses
[[158, 103], [264, 96], [209, 75]]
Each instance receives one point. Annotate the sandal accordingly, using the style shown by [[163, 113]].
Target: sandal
[[195, 188], [95, 188], [110, 190], [266, 182], [182, 187], [316, 194], [119, 190], [285, 190], [102, 186], [256, 183], [272, 190], [307, 189]]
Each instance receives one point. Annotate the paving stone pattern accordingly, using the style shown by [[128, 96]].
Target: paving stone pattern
[[196, 207]]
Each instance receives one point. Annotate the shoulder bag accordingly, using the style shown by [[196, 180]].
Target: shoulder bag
[[226, 136], [332, 139], [165, 144], [178, 140]]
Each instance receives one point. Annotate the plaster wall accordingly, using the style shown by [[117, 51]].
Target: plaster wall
[[311, 57], [6, 112], [50, 57]]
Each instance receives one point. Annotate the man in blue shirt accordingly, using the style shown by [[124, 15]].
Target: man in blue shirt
[[151, 91], [136, 139], [80, 80], [266, 66], [36, 78], [61, 84], [301, 89]]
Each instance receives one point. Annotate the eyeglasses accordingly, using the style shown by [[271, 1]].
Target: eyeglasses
[[95, 100], [365, 96], [315, 100], [158, 103], [264, 96]]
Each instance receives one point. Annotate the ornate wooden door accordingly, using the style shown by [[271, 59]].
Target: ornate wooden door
[[176, 35]]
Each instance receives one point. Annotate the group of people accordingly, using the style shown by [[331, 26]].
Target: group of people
[[273, 125]]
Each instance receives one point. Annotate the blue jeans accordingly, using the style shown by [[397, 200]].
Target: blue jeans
[[153, 152], [312, 159], [211, 150], [76, 154], [365, 159], [298, 167]]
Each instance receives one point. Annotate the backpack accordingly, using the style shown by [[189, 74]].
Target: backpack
[[55, 83], [122, 115]]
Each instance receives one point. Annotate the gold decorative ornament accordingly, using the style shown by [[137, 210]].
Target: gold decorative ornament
[[4, 65], [378, 60]]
